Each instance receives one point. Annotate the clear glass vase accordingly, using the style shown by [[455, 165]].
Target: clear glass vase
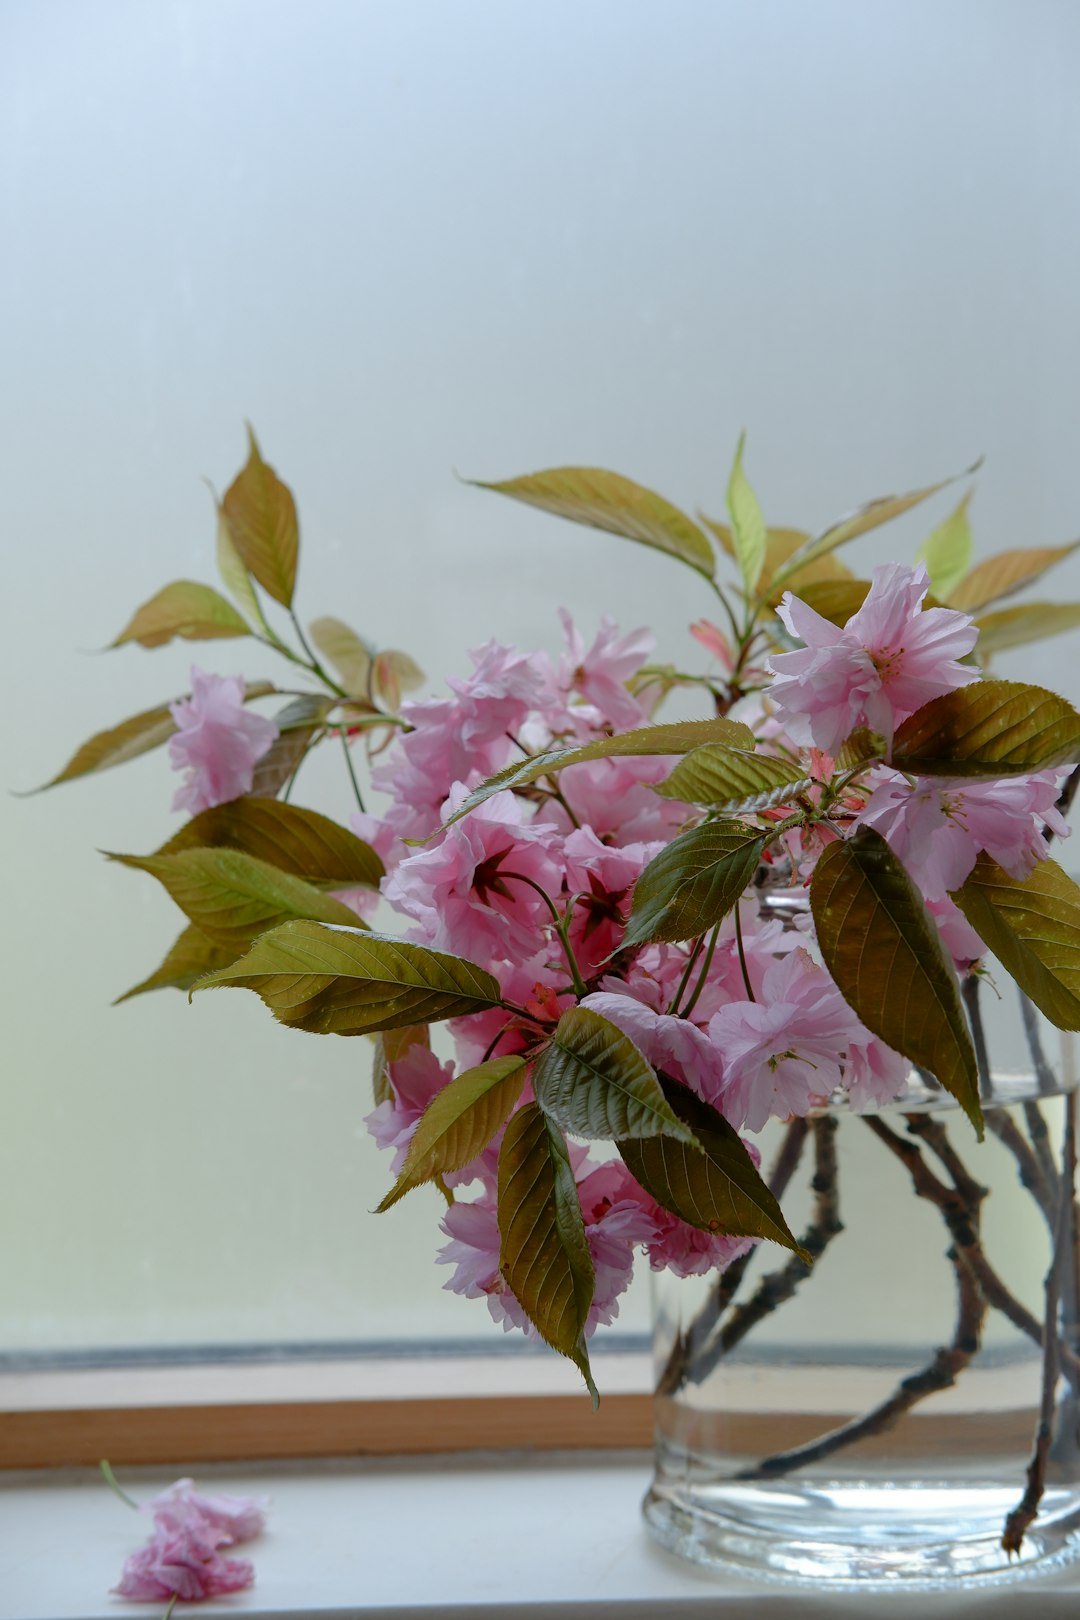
[[896, 1413]]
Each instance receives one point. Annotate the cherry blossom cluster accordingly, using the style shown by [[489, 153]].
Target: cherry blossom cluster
[[536, 884]]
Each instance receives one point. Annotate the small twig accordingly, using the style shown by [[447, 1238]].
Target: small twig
[[687, 1344], [1040, 1141], [970, 992], [778, 1287], [1044, 1074], [1008, 1132], [1026, 1511], [939, 1373]]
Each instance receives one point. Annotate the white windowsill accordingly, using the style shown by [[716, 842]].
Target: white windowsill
[[437, 1539]]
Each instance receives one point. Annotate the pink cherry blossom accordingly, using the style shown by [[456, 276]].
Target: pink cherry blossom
[[600, 675], [687, 1251], [604, 875], [472, 892], [891, 657], [782, 1054], [232, 1518], [217, 742], [185, 1563], [674, 1045], [873, 1073], [616, 1220], [614, 797], [957, 935], [415, 1078], [937, 826]]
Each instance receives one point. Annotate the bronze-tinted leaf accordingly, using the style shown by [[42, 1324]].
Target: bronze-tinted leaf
[[990, 728], [715, 1186], [735, 780], [232, 897], [593, 1082], [459, 1123], [676, 737], [186, 609], [747, 523], [1033, 928], [880, 945], [780, 546], [132, 737], [263, 526], [544, 1253], [348, 652], [835, 599], [605, 500], [343, 981], [302, 842], [1017, 626], [1005, 573], [694, 882], [235, 577], [191, 956], [867, 517], [390, 1045]]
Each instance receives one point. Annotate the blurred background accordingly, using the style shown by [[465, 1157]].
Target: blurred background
[[408, 241]]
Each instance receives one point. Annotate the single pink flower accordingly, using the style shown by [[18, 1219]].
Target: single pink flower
[[937, 826], [614, 797], [782, 1053], [217, 742], [616, 1219], [603, 876], [891, 657], [674, 1045], [600, 675], [184, 1563], [415, 1078], [472, 893], [232, 1518], [687, 1251], [957, 935], [873, 1073]]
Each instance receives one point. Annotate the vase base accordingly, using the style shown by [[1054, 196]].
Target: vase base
[[918, 1537]]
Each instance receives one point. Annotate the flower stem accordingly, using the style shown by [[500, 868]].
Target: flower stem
[[114, 1484], [673, 1009], [312, 662], [742, 955], [705, 966], [562, 928], [352, 772]]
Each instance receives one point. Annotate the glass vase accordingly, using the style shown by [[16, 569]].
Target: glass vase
[[895, 1414]]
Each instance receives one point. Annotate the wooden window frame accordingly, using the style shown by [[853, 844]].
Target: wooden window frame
[[401, 1406]]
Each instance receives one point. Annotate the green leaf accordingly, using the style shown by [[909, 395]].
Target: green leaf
[[604, 500], [390, 1045], [694, 882], [459, 1123], [132, 737], [990, 728], [544, 1253], [186, 609], [946, 551], [880, 945], [349, 654], [263, 526], [192, 955], [1004, 573], [861, 746], [747, 523], [300, 723], [393, 673], [342, 981], [1031, 621], [593, 1082], [302, 842], [736, 780], [231, 897], [1033, 928], [867, 517], [677, 737], [714, 1187]]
